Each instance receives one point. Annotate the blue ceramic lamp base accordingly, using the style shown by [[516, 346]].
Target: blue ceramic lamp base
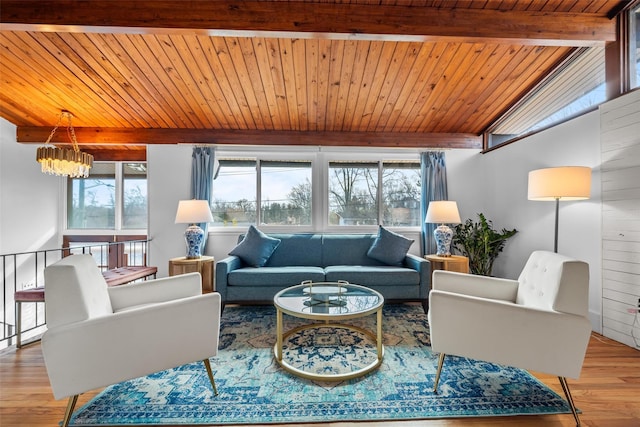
[[193, 237], [443, 236]]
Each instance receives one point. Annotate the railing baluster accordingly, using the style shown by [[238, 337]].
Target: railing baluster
[[5, 327]]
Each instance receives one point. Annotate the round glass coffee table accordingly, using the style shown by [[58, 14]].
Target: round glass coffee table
[[331, 303]]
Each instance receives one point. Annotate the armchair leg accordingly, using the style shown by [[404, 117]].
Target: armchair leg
[[440, 363], [69, 411], [567, 392], [207, 365]]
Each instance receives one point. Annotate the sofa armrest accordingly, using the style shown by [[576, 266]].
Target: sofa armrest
[[423, 267], [224, 267]]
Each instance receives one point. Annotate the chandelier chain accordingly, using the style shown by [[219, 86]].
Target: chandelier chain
[[55, 128], [72, 133]]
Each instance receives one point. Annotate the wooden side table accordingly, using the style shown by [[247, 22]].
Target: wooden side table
[[204, 265], [449, 263]]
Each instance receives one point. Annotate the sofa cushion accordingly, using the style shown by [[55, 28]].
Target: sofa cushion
[[274, 276], [347, 249], [389, 247], [256, 247], [297, 250], [372, 275]]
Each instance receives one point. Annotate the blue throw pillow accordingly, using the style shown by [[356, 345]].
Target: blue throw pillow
[[389, 247], [256, 247]]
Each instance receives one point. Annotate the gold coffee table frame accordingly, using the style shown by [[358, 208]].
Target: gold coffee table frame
[[359, 301]]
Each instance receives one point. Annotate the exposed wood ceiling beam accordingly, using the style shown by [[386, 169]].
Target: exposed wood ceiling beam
[[309, 20], [108, 136], [117, 155]]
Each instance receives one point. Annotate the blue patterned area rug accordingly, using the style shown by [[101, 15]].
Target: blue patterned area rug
[[255, 390]]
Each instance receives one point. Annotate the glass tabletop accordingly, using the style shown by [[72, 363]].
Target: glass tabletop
[[328, 299]]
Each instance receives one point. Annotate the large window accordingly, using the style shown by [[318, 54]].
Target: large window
[[283, 189], [316, 193], [113, 197], [371, 193]]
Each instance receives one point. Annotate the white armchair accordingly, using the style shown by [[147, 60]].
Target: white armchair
[[538, 322], [99, 335]]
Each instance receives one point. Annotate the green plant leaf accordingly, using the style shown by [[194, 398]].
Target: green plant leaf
[[481, 243]]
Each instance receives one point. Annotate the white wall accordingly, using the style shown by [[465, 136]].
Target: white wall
[[501, 176], [169, 180], [29, 199], [465, 181], [620, 143]]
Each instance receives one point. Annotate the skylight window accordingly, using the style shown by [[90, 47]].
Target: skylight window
[[574, 88]]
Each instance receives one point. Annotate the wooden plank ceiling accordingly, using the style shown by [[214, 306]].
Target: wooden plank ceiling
[[356, 73]]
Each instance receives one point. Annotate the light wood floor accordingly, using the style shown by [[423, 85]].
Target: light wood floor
[[608, 393]]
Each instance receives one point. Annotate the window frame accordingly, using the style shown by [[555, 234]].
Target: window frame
[[271, 156], [632, 50], [118, 214], [320, 158]]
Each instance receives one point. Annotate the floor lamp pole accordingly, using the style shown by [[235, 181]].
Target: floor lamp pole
[[555, 240]]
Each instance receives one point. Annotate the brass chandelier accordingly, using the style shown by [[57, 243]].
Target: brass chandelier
[[64, 161]]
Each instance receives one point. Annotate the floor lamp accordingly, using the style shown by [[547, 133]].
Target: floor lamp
[[560, 183]]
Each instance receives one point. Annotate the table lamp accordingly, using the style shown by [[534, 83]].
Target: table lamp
[[560, 183], [193, 212], [443, 212]]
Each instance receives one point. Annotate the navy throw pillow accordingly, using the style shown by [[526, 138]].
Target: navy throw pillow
[[256, 247], [389, 247]]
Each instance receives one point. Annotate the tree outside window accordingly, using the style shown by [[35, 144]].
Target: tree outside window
[[92, 202], [359, 193], [285, 193], [401, 191], [353, 189]]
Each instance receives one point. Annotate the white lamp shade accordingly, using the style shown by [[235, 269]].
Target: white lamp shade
[[560, 183], [443, 212], [193, 212]]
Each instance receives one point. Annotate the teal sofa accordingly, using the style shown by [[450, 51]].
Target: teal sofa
[[322, 258]]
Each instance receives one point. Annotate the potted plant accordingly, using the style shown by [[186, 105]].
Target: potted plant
[[480, 243]]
